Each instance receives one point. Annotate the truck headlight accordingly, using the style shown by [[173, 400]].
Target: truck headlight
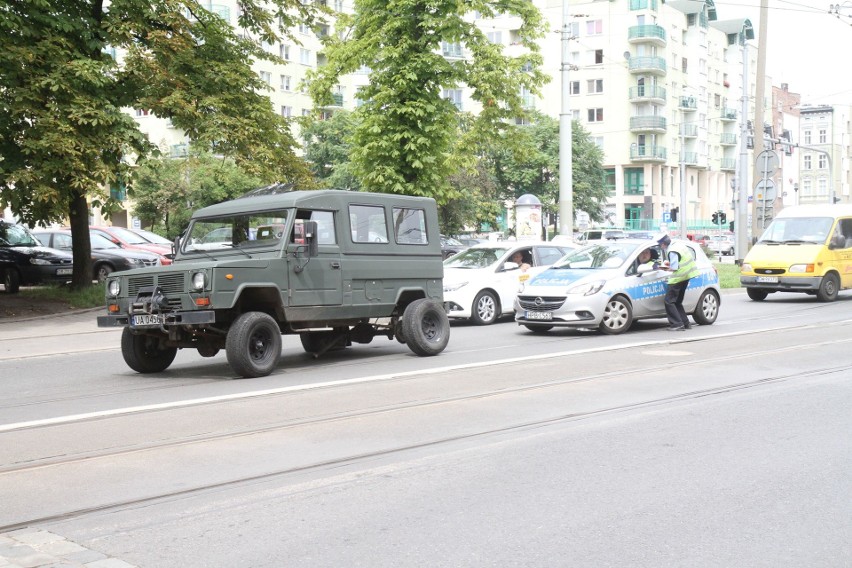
[[114, 287], [199, 280], [746, 267], [801, 268]]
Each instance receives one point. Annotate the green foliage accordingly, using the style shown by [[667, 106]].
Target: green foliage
[[167, 191], [407, 139], [64, 138], [91, 296], [477, 205], [526, 160], [328, 146]]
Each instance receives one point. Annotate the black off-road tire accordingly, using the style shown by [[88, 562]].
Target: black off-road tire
[[253, 344], [144, 353], [207, 350], [707, 309], [828, 288], [617, 317], [426, 327], [757, 294], [316, 341], [11, 280]]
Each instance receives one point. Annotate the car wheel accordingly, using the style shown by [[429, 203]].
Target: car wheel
[[617, 316], [757, 294], [707, 309], [426, 327], [146, 353], [102, 272], [11, 280], [539, 328], [486, 308], [828, 288], [253, 344]]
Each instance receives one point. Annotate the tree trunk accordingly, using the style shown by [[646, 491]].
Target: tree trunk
[[82, 245]]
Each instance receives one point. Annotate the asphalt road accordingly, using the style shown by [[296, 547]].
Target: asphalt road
[[726, 445]]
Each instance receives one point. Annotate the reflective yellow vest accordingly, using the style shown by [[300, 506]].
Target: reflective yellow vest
[[686, 267]]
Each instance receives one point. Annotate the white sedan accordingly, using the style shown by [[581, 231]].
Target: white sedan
[[603, 286], [480, 283]]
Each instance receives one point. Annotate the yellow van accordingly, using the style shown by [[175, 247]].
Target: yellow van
[[806, 248]]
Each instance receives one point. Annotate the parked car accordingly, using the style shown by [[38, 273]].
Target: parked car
[[480, 283], [602, 286], [24, 261], [128, 239], [722, 244], [451, 246], [107, 257], [699, 238], [597, 235], [153, 237]]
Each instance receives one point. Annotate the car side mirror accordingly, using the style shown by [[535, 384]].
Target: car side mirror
[[509, 265], [311, 238]]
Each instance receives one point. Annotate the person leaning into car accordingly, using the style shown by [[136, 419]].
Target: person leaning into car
[[679, 261]]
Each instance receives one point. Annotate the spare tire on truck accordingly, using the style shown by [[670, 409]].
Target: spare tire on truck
[[426, 327]]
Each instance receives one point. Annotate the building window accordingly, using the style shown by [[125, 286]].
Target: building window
[[574, 88], [451, 49], [285, 83], [807, 136], [609, 181], [594, 27], [634, 181], [683, 64], [266, 77], [806, 162], [598, 57], [595, 115], [304, 56], [823, 136], [142, 112], [598, 141], [454, 96], [284, 51], [495, 37], [823, 161], [338, 5], [304, 29], [594, 86], [822, 187], [306, 112], [286, 111]]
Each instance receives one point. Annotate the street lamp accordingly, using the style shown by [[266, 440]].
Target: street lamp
[[566, 198]]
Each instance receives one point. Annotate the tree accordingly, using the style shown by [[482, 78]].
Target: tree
[[168, 190], [478, 204], [64, 135], [407, 138], [328, 146], [527, 161]]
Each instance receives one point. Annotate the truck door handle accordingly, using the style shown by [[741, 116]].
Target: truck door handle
[[335, 264]]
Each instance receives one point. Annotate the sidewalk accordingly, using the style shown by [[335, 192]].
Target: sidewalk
[[73, 332]]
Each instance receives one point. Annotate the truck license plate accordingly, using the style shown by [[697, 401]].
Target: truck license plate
[[768, 279], [539, 316], [146, 320]]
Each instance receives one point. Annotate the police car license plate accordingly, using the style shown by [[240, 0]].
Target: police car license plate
[[768, 279], [146, 320], [539, 316]]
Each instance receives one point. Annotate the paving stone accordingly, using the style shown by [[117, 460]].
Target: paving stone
[[38, 537], [16, 550], [85, 556], [110, 563], [34, 560], [61, 548]]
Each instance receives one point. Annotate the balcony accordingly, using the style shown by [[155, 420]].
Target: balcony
[[689, 158], [689, 130], [649, 123], [336, 101], [649, 33], [643, 5], [647, 153], [687, 104], [728, 165], [728, 114], [647, 93], [647, 65], [728, 139]]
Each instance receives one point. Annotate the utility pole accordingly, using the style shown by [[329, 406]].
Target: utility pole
[[566, 197], [760, 88]]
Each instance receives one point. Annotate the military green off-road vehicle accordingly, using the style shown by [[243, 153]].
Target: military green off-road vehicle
[[335, 267]]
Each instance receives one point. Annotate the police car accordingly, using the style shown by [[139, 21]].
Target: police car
[[605, 286]]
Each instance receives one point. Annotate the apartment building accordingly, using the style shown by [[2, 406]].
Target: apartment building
[[824, 154]]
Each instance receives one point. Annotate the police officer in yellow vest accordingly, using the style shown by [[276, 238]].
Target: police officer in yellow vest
[[679, 261]]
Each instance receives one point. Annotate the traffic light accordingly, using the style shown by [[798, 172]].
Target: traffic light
[[723, 218], [715, 217], [731, 226], [673, 213]]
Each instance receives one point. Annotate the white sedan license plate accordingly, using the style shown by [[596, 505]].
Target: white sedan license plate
[[146, 320], [539, 316], [64, 271], [768, 279]]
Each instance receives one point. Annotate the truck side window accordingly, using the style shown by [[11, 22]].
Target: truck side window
[[409, 226], [326, 235], [368, 224]]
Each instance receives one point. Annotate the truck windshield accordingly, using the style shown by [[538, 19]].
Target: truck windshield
[[261, 229], [797, 230]]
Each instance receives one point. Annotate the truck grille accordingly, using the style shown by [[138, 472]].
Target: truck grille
[[171, 284]]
